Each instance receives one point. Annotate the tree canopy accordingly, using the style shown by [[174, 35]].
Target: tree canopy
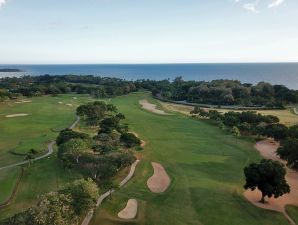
[[268, 176]]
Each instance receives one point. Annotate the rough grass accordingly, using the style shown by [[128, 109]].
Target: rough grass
[[206, 169], [286, 116], [293, 212]]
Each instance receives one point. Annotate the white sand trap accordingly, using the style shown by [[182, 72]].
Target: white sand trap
[[16, 115], [267, 149], [151, 107], [23, 101], [130, 211], [60, 102], [75, 98], [160, 180], [69, 105]]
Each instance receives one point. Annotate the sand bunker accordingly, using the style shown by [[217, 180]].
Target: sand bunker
[[151, 107], [60, 102], [130, 211], [69, 105], [23, 101], [160, 180], [267, 149], [16, 115]]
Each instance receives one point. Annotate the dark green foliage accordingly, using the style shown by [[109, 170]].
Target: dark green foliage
[[289, 151], [293, 131], [67, 134], [84, 194], [111, 123], [221, 92], [130, 140], [98, 87], [268, 176], [276, 131], [71, 151]]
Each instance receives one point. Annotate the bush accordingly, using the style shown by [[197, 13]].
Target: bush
[[130, 140]]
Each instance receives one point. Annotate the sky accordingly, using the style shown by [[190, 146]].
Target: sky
[[148, 31]]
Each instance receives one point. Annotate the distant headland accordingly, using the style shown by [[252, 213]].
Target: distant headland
[[9, 70]]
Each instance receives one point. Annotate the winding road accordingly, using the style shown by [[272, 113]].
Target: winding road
[[50, 150]]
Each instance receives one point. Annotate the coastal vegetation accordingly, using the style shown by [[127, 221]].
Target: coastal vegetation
[[222, 92], [215, 93]]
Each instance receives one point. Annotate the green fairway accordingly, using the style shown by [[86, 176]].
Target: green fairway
[[8, 179], [206, 168], [19, 134]]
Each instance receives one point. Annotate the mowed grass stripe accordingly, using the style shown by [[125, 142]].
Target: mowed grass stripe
[[206, 169]]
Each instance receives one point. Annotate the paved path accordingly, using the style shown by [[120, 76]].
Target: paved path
[[89, 216], [50, 150]]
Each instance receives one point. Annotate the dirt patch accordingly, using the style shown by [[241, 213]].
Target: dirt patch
[[16, 115], [267, 149], [160, 180], [151, 107], [130, 211]]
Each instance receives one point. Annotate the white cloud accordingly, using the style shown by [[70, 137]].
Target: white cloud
[[251, 7], [2, 3], [254, 6], [276, 3]]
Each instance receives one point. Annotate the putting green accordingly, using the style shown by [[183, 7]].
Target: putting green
[[206, 169]]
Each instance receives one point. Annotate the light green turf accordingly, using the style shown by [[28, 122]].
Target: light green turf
[[206, 168], [46, 117]]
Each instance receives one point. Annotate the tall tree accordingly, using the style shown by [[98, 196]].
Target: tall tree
[[268, 176]]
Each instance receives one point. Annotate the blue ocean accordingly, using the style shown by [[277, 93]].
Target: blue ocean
[[275, 73]]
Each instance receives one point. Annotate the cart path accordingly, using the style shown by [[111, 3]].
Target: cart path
[[50, 150]]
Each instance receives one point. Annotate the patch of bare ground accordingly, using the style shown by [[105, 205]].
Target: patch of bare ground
[[130, 211], [160, 180], [267, 149], [151, 107]]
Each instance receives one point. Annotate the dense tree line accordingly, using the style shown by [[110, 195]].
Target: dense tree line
[[101, 156], [64, 207], [221, 92], [217, 92], [98, 87]]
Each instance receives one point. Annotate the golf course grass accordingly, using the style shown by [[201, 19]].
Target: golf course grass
[[205, 165], [19, 134]]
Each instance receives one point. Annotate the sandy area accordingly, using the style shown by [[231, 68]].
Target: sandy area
[[60, 102], [23, 101], [267, 149], [160, 180], [151, 107], [130, 211], [16, 115], [69, 105]]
